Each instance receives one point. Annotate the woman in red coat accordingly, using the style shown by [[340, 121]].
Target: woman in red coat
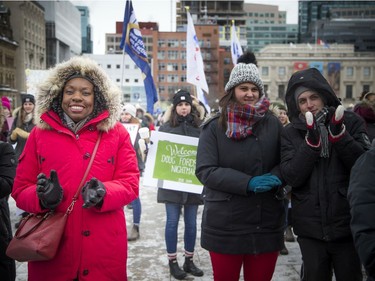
[[74, 104]]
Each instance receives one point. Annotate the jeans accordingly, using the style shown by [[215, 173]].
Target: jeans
[[171, 226], [137, 210]]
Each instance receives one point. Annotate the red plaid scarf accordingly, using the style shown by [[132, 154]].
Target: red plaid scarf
[[241, 118]]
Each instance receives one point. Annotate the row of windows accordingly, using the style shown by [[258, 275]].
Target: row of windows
[[177, 55], [366, 71], [118, 66], [348, 91], [171, 66]]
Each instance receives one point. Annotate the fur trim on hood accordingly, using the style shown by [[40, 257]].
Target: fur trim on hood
[[201, 111], [53, 86]]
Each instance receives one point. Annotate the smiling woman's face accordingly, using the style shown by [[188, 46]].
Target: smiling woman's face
[[78, 99]]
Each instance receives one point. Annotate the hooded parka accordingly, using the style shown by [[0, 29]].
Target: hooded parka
[[94, 244], [319, 185], [235, 221]]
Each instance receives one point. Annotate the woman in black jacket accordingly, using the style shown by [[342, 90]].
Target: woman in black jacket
[[182, 118], [238, 163]]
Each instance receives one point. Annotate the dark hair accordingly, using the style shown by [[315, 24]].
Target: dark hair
[[100, 104], [363, 95], [223, 104], [174, 119]]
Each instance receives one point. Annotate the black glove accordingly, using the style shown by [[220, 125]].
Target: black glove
[[313, 135], [336, 126], [50, 192], [93, 193]]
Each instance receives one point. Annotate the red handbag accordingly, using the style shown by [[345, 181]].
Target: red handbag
[[39, 235]]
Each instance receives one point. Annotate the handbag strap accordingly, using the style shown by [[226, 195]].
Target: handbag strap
[[75, 197]]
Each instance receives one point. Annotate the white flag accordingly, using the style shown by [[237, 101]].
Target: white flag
[[194, 62], [235, 45]]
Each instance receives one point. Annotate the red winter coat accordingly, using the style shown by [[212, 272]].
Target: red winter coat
[[94, 244]]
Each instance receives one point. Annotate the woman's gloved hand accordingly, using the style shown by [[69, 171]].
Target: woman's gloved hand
[[93, 193], [49, 190], [263, 183]]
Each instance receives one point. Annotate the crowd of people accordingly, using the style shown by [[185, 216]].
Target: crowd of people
[[294, 170]]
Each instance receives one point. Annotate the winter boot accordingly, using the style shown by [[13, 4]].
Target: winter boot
[[284, 251], [289, 237], [134, 233], [190, 267], [175, 270]]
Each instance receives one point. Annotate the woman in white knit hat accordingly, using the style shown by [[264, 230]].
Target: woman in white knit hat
[[238, 163]]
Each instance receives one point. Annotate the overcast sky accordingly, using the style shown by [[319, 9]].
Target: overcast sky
[[105, 13]]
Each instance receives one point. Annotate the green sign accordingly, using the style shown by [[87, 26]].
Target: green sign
[[176, 162]]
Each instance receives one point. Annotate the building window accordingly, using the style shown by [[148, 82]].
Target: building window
[[349, 71], [173, 55], [127, 80], [366, 88], [118, 80], [118, 66], [366, 71], [264, 70], [161, 55], [172, 78], [108, 66], [282, 71], [135, 80], [349, 92]]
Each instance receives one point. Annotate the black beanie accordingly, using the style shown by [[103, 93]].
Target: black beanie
[[181, 96], [27, 98]]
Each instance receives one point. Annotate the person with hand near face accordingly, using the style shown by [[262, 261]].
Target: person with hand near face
[[76, 104], [318, 150], [238, 160]]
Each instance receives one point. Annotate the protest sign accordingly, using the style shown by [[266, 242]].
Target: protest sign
[[132, 130], [171, 162]]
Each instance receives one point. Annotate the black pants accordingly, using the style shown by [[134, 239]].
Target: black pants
[[321, 258]]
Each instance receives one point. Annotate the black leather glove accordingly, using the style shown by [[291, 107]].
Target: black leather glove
[[93, 193], [336, 126], [50, 192], [313, 135]]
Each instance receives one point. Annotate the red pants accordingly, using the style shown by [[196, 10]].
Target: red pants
[[255, 267]]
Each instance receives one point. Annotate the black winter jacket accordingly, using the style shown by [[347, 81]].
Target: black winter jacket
[[361, 197], [7, 174], [319, 185], [185, 128], [235, 222]]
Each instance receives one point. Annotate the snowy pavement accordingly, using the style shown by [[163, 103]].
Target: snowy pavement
[[147, 259]]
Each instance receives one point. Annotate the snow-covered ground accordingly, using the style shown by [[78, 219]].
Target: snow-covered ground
[[147, 260]]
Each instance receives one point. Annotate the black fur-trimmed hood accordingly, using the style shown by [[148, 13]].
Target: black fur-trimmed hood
[[53, 85]]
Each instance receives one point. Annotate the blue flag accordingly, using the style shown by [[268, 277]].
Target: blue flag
[[134, 47]]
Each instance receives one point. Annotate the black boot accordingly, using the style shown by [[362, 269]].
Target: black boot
[[175, 270], [190, 267]]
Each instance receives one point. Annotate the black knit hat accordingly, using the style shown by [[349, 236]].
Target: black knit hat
[[27, 98], [180, 96]]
